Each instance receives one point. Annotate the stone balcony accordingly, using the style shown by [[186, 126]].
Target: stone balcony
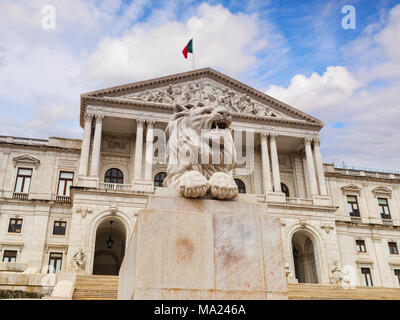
[[316, 200], [106, 186]]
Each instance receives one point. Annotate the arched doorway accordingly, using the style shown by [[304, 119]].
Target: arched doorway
[[109, 248], [304, 258], [241, 186]]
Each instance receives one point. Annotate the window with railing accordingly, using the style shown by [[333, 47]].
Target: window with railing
[[384, 208], [23, 181], [64, 183], [353, 206], [114, 175]]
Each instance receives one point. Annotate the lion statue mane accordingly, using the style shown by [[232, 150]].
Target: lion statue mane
[[201, 152]]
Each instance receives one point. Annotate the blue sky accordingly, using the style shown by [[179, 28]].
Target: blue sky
[[296, 51]]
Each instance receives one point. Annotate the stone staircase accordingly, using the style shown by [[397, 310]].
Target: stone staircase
[[91, 287], [329, 292]]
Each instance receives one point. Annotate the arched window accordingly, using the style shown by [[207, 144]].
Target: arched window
[[159, 179], [114, 175], [285, 190], [241, 186]]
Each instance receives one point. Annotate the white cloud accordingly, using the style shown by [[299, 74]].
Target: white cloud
[[368, 107], [317, 92], [226, 41]]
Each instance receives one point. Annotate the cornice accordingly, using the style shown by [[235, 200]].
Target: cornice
[[363, 178], [42, 148], [101, 101], [192, 75], [365, 225]]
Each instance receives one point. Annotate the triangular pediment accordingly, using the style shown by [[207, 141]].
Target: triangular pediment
[[205, 86], [26, 160], [350, 188]]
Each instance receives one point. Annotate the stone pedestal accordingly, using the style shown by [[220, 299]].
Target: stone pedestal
[[203, 249]]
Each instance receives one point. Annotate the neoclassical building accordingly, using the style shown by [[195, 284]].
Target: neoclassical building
[[71, 205]]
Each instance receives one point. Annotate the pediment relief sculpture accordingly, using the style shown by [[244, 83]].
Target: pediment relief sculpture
[[116, 144], [205, 92]]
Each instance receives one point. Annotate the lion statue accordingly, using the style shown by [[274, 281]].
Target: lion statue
[[201, 152]]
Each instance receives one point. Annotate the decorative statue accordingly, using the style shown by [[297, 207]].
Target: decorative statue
[[79, 261], [336, 276], [201, 152]]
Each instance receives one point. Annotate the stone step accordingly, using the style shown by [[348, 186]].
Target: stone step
[[329, 292], [94, 287]]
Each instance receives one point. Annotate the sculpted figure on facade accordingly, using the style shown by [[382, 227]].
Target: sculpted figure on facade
[[79, 261], [336, 276], [204, 92], [201, 152]]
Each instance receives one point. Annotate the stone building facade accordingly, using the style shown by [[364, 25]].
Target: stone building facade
[[71, 205]]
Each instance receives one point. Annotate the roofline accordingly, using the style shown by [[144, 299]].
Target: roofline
[[188, 74]]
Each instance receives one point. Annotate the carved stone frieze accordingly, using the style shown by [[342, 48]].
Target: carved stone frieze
[[205, 92], [116, 144]]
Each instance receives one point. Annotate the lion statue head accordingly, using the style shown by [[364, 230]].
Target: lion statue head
[[201, 152]]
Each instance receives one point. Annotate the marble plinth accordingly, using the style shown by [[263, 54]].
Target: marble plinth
[[203, 249]]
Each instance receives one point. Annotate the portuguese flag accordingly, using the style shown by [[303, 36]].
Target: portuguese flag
[[188, 48]]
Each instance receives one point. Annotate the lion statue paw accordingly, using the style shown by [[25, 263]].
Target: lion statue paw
[[223, 186], [193, 184]]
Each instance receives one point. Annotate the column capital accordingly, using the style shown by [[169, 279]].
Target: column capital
[[273, 136], [150, 124], [317, 141], [307, 141], [88, 117], [263, 136], [140, 123], [99, 118]]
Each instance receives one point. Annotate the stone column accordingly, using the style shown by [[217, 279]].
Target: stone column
[[310, 167], [320, 168], [94, 168], [275, 164], [148, 171], [266, 171], [137, 172], [84, 161]]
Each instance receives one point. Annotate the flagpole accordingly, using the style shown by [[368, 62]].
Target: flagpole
[[193, 53]]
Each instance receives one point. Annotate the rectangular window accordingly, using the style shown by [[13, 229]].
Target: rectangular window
[[59, 228], [384, 208], [393, 248], [366, 273], [64, 183], [10, 256], [353, 206], [23, 180], [397, 275], [55, 262], [360, 244], [15, 225]]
